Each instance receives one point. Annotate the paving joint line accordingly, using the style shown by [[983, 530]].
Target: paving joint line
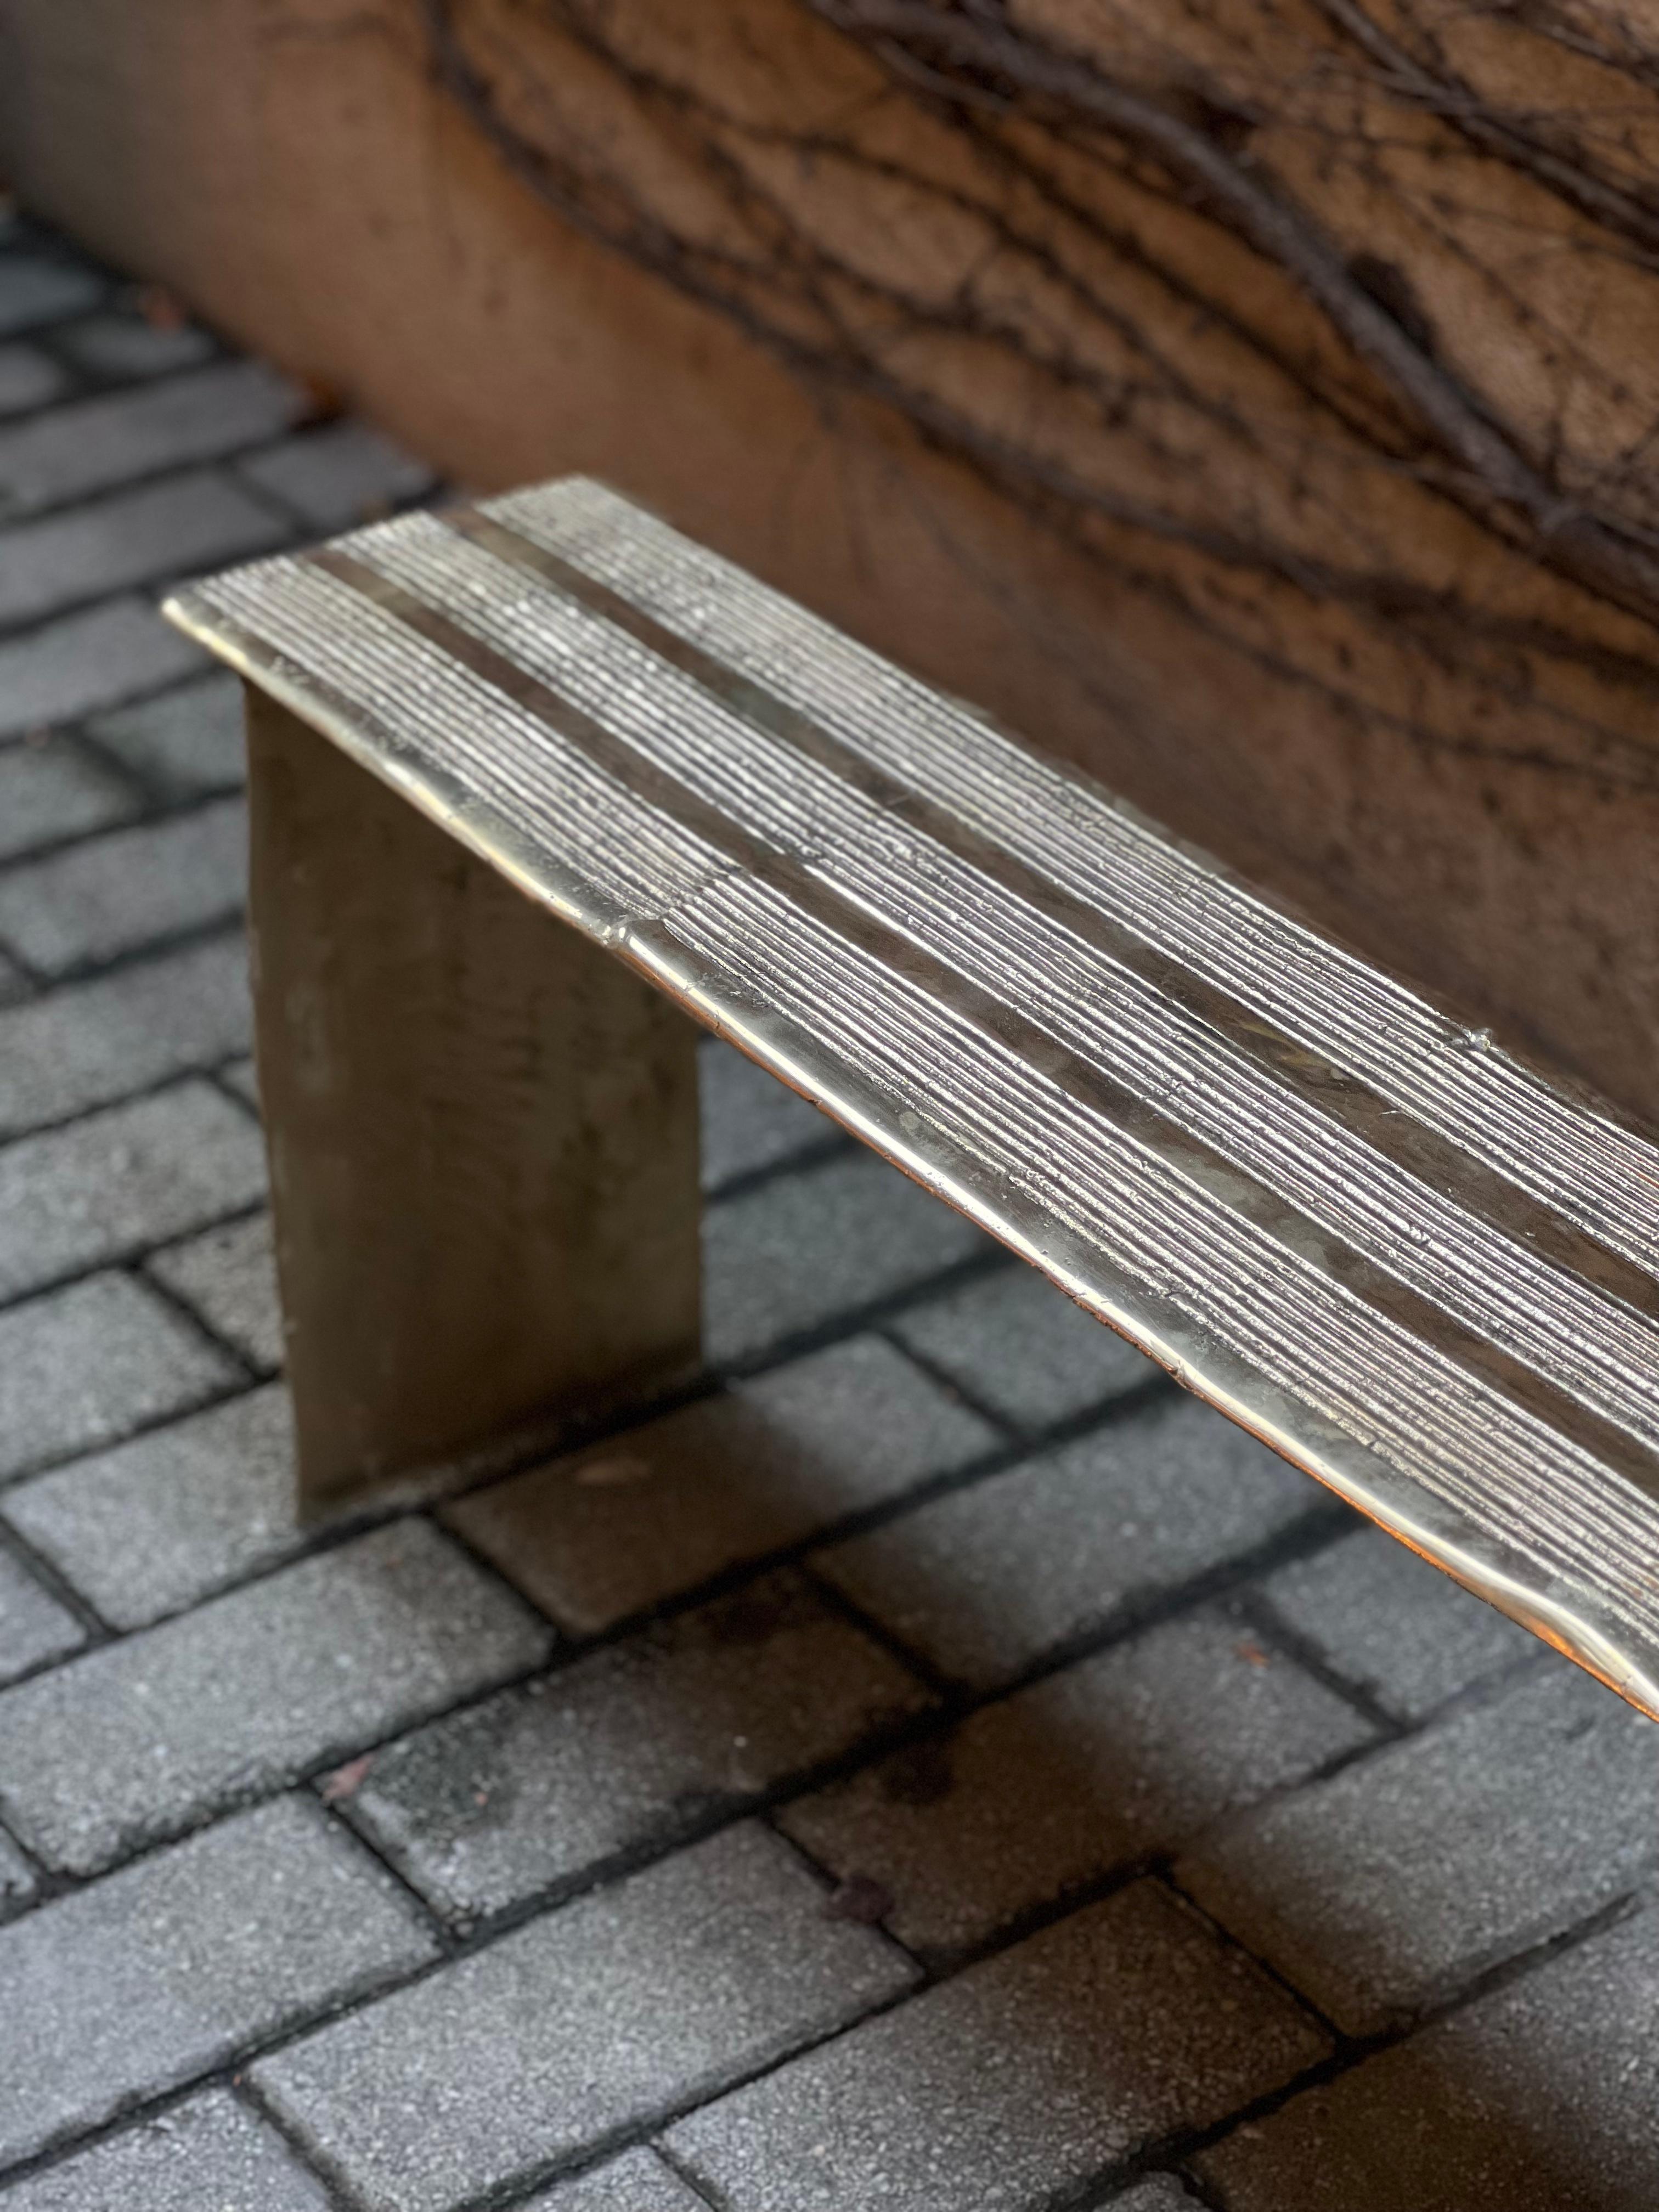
[[1352, 2051], [36, 1865], [269, 2115], [210, 1068], [144, 479], [251, 1371], [1267, 1623], [223, 1393], [799, 1344], [1231, 1940], [1348, 2052], [42, 1570], [78, 725], [1139, 1613], [467, 1934], [430, 1918], [75, 737], [250, 2053], [48, 986], [149, 798], [676, 2166], [136, 2111], [130, 1257], [224, 923], [960, 1701], [872, 1748], [76, 601], [166, 813], [816, 1152], [875, 1631], [864, 1318], [953, 1387], [301, 528], [38, 983]]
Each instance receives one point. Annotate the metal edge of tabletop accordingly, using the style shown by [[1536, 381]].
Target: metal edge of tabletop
[[1569, 1616]]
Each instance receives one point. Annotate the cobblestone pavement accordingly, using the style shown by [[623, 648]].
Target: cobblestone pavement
[[939, 1768]]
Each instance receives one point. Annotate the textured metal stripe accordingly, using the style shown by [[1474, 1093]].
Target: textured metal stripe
[[1575, 1535], [1119, 1112], [1574, 1158], [1331, 1186], [370, 681], [1378, 1384], [1081, 1142], [1471, 1478], [1421, 1151]]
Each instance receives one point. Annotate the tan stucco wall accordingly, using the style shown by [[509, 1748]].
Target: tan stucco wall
[[287, 168]]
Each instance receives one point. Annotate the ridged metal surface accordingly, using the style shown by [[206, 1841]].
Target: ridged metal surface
[[1389, 1247]]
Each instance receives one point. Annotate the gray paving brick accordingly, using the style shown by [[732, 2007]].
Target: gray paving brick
[[986, 1580], [14, 984], [127, 890], [73, 1197], [53, 790], [592, 2020], [625, 1750], [184, 744], [637, 2182], [1024, 1349], [1542, 2097], [82, 662], [338, 475], [122, 346], [750, 1120], [1132, 1751], [156, 1523], [1395, 1625], [91, 1362], [1398, 1880], [140, 1739], [603, 1534], [243, 1078], [97, 445], [1160, 2192], [228, 1276], [27, 379], [209, 2155], [797, 1253], [195, 520], [140, 1983], [40, 288], [88, 1044], [1018, 2082], [17, 1882], [33, 1626]]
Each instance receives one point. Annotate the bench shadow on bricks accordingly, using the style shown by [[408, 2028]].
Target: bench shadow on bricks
[[1110, 1707], [1092, 1660], [1409, 1882], [1118, 1673]]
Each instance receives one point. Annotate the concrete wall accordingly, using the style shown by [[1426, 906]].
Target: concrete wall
[[290, 171]]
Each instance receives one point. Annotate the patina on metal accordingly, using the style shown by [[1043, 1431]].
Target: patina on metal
[[1407, 1260]]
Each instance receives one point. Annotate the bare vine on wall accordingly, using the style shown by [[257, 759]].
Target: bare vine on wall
[[1333, 324]]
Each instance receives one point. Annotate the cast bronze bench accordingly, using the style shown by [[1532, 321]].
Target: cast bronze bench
[[531, 777]]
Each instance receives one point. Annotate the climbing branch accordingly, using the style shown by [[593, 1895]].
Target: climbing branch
[[1311, 300]]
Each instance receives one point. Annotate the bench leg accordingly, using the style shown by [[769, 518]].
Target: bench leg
[[482, 1133]]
